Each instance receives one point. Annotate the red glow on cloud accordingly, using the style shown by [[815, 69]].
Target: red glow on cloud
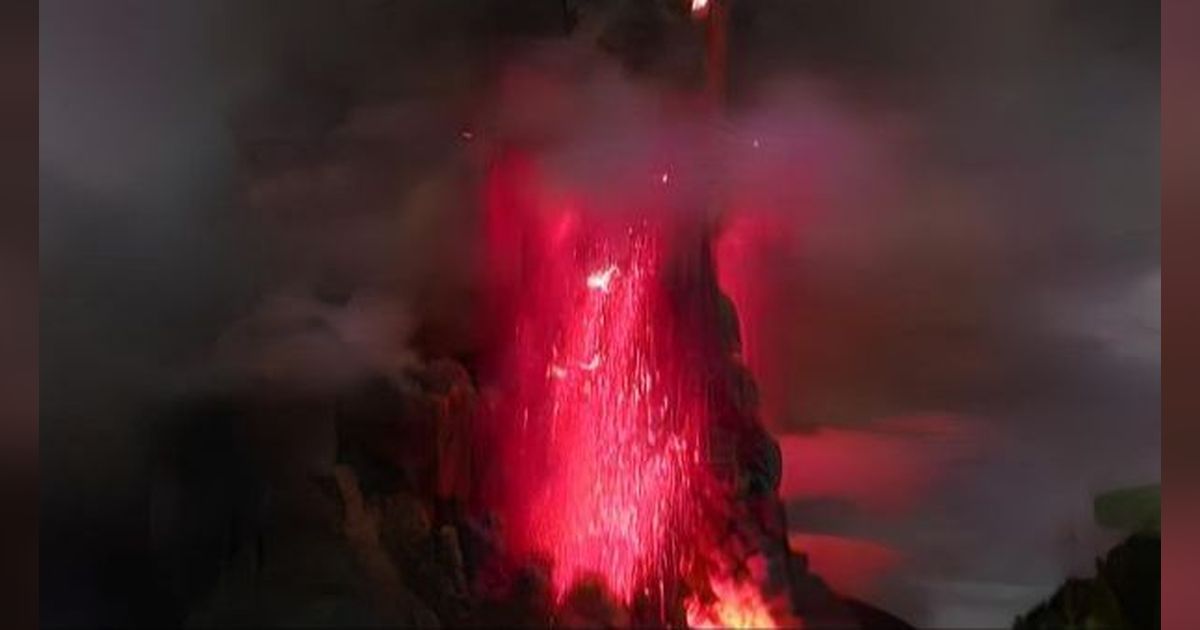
[[886, 467], [850, 566], [879, 473]]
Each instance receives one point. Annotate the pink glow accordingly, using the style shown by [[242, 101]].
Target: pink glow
[[851, 566], [879, 473], [886, 468], [746, 255]]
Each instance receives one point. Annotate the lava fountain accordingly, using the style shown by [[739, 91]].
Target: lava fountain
[[603, 418], [628, 436]]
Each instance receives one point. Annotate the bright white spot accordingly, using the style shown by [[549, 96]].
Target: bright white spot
[[599, 280], [466, 135], [699, 5], [664, 177], [592, 364], [558, 372], [755, 143]]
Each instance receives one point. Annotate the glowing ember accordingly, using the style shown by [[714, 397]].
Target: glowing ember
[[737, 605], [600, 280]]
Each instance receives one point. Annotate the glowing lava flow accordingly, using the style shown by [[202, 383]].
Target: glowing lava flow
[[737, 605]]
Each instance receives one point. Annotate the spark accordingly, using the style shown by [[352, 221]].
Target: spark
[[600, 280], [665, 177], [699, 5]]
